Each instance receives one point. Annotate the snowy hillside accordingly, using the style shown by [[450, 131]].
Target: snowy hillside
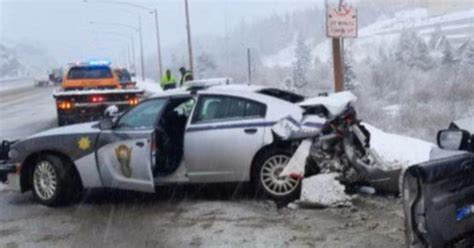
[[457, 27], [10, 67], [22, 59]]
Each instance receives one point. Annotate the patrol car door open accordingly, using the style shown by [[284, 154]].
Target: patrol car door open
[[124, 155]]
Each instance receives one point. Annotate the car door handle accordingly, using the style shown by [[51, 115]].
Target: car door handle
[[250, 130], [140, 144]]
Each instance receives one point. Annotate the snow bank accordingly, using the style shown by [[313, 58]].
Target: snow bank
[[3, 187], [15, 83], [149, 86], [398, 150], [323, 190]]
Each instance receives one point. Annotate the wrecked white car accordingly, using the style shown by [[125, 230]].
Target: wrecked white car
[[201, 134], [341, 145]]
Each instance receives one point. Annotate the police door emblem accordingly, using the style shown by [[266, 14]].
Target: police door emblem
[[124, 155], [84, 143]]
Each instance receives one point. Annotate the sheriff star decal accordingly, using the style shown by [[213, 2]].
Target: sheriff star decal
[[84, 143], [124, 155]]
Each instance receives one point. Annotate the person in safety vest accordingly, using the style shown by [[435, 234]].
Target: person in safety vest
[[185, 76], [168, 81]]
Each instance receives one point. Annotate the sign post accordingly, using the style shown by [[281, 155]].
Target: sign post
[[341, 22]]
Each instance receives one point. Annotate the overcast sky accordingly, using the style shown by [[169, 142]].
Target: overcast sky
[[63, 26]]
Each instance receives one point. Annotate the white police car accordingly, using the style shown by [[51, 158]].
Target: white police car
[[201, 134]]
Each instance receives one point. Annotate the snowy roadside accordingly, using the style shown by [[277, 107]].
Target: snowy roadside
[[150, 86], [398, 151], [14, 83]]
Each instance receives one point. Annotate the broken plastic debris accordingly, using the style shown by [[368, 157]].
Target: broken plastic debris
[[295, 167], [324, 190]]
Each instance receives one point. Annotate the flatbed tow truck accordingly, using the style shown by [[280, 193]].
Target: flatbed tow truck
[[88, 89]]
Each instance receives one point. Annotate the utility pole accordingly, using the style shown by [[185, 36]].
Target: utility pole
[[158, 46], [249, 65], [188, 30], [141, 47]]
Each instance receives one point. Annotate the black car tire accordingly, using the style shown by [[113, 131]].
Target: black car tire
[[66, 184], [260, 176]]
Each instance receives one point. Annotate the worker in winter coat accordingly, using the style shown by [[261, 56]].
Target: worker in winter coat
[[185, 76], [168, 81]]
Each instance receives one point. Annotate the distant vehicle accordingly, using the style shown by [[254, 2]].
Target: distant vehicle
[[125, 78], [56, 76], [41, 82], [87, 89], [201, 134], [438, 195]]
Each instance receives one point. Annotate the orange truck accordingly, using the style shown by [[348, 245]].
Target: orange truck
[[88, 89]]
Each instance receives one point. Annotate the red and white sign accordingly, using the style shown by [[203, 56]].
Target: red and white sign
[[341, 21]]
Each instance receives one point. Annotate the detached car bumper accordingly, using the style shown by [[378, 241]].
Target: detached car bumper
[[9, 174]]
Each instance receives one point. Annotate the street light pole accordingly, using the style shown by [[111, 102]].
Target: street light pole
[[134, 56], [158, 46], [188, 29], [130, 48], [141, 47], [249, 64], [139, 29], [151, 11]]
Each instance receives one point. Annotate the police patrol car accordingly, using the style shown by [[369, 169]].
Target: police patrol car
[[205, 133]]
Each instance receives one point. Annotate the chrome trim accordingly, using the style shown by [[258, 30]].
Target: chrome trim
[[88, 104]]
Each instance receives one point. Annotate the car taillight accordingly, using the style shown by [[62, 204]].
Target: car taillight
[[133, 101], [96, 99], [65, 105]]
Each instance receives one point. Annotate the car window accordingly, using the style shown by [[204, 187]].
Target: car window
[[123, 75], [224, 108], [186, 107], [92, 72], [143, 116], [283, 95]]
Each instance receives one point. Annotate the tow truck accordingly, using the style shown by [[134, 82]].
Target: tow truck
[[88, 89]]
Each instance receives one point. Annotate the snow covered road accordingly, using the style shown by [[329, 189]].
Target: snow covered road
[[26, 110], [196, 216]]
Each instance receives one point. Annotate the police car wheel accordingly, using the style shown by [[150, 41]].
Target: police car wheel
[[50, 181], [267, 180]]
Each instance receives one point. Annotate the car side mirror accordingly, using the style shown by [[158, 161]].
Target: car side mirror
[[111, 111], [106, 124], [453, 139]]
